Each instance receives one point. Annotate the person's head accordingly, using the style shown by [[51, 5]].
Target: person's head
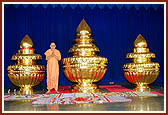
[[52, 45]]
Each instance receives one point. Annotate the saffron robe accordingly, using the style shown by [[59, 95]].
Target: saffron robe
[[52, 69]]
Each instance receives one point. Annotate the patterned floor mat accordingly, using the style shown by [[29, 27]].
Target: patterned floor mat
[[79, 98], [62, 95], [117, 94]]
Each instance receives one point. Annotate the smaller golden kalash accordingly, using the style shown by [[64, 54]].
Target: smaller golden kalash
[[26, 73], [141, 71], [85, 67]]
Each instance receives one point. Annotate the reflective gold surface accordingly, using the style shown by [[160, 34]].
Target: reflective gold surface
[[26, 42], [85, 67], [26, 73], [141, 71], [144, 104]]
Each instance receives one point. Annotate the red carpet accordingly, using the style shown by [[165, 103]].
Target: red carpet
[[115, 88], [62, 89], [110, 88], [159, 94]]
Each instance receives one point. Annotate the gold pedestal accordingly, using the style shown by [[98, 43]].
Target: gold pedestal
[[141, 71], [84, 67], [141, 87], [26, 73], [27, 89], [86, 87]]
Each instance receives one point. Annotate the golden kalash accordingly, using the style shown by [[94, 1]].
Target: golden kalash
[[141, 71], [84, 67], [26, 73]]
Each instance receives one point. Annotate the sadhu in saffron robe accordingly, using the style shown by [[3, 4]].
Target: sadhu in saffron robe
[[52, 69]]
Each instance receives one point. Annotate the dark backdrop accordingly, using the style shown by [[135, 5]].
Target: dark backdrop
[[114, 28]]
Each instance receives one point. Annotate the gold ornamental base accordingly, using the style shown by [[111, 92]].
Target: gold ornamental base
[[26, 90], [142, 88], [86, 87]]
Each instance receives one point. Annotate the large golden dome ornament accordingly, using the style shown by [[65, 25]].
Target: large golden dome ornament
[[141, 71], [84, 67], [26, 73]]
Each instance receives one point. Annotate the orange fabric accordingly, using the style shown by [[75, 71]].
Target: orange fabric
[[52, 69]]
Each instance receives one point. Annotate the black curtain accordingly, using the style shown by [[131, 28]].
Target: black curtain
[[114, 29]]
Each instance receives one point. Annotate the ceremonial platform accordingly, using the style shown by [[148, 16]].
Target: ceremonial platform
[[130, 101]]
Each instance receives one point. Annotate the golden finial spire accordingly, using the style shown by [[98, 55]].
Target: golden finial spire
[[26, 42], [140, 42], [83, 26]]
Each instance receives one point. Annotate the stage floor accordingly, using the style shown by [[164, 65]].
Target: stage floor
[[138, 104]]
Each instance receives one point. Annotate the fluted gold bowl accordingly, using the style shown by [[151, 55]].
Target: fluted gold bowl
[[26, 76], [85, 71], [141, 74]]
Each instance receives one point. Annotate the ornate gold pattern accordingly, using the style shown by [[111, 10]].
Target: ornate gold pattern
[[141, 71], [85, 67], [26, 73]]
